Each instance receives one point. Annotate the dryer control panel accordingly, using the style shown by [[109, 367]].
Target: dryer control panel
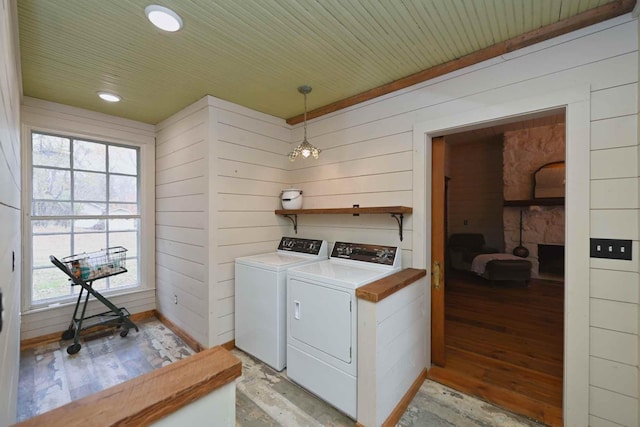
[[376, 254], [304, 246]]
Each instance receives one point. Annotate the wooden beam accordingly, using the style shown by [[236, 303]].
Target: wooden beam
[[389, 285], [584, 19], [149, 397]]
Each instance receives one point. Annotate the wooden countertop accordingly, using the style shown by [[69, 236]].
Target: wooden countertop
[[149, 397], [387, 286]]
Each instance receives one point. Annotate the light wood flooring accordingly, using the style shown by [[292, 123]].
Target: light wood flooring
[[504, 343]]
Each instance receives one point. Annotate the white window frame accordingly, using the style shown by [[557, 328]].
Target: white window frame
[[146, 196]]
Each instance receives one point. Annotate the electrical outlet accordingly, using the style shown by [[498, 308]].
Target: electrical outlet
[[175, 299], [611, 249]]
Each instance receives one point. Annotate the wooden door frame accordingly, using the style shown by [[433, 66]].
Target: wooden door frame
[[576, 102]]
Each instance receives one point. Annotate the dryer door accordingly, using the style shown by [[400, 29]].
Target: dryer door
[[320, 317]]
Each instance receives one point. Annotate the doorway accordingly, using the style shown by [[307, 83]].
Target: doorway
[[502, 330], [576, 102]]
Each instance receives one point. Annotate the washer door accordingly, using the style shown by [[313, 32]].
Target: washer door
[[320, 317]]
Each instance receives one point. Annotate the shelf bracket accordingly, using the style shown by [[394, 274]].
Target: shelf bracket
[[399, 219], [294, 220]]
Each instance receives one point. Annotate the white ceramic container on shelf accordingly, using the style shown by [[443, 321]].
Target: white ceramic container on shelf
[[291, 198]]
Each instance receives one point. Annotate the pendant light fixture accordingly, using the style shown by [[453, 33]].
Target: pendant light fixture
[[305, 149]]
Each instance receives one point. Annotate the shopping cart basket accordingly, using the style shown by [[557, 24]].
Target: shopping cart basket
[[82, 270]]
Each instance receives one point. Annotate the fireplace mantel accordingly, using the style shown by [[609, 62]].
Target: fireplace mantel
[[548, 201]]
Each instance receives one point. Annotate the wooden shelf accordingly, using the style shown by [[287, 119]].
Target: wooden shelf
[[354, 211], [549, 201], [397, 212]]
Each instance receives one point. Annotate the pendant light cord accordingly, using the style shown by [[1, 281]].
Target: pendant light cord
[[305, 116]]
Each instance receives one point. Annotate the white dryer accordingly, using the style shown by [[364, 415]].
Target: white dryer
[[322, 318], [260, 297]]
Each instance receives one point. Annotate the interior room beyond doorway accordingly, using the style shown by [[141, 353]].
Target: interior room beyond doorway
[[504, 331]]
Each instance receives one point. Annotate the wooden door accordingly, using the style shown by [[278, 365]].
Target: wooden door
[[437, 250]]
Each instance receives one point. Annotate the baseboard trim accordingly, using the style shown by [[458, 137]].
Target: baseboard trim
[[402, 406], [188, 339], [229, 345], [30, 343]]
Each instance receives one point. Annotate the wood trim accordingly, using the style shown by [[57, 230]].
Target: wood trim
[[229, 345], [547, 201], [387, 286], [355, 211], [437, 282], [188, 339], [402, 406], [57, 336], [584, 19], [149, 397]]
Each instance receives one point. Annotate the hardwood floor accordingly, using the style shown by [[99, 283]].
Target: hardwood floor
[[504, 344]]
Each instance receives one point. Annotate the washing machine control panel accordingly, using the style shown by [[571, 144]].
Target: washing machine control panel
[[305, 246], [376, 254]]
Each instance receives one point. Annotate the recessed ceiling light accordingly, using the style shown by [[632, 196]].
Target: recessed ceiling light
[[163, 18], [109, 97]]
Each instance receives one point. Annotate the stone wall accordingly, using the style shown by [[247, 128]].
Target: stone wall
[[524, 151]]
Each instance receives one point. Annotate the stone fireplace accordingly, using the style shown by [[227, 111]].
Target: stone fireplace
[[524, 151], [551, 259]]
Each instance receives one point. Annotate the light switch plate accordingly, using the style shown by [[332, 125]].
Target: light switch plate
[[611, 249]]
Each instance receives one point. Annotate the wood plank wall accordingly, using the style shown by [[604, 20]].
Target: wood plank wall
[[250, 169], [366, 159], [475, 190], [9, 212], [220, 170], [57, 118], [181, 220]]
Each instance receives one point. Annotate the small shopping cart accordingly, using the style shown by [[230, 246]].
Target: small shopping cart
[[82, 270]]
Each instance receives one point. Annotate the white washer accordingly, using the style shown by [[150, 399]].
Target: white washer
[[322, 318], [260, 297]]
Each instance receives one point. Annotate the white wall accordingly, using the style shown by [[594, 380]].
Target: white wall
[[220, 170], [356, 167], [475, 190], [181, 220], [44, 116], [249, 170], [10, 93], [392, 343]]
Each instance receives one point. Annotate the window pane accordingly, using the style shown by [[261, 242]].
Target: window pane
[[89, 242], [51, 208], [89, 156], [94, 209], [89, 225], [128, 240], [51, 184], [123, 209], [130, 278], [58, 245], [123, 188], [90, 186], [123, 160], [50, 283], [123, 224], [50, 151], [51, 226]]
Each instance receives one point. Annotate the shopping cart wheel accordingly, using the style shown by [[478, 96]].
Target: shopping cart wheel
[[124, 333], [74, 348], [68, 334]]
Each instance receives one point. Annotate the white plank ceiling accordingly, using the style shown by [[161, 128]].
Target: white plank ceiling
[[255, 52]]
